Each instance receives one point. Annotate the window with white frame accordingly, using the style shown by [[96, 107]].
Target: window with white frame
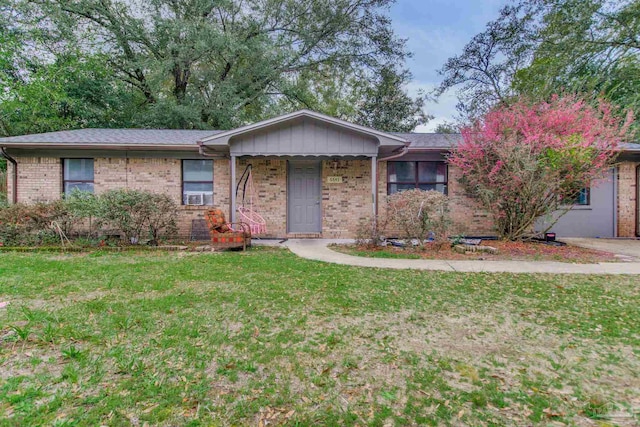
[[423, 175], [77, 174], [197, 182]]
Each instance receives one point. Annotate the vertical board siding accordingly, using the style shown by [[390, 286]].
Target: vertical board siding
[[304, 137]]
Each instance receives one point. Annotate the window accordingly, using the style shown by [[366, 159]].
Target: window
[[423, 175], [77, 174], [583, 198], [197, 182]]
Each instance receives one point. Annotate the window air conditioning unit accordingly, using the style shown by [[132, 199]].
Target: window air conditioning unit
[[196, 199]]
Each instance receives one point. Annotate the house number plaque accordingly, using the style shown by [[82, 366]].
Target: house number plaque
[[334, 180]]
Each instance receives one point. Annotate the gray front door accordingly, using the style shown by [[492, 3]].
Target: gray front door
[[304, 193]]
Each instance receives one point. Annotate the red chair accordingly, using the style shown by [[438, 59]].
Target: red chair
[[226, 235]]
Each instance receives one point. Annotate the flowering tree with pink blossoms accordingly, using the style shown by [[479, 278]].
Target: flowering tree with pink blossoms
[[525, 161]]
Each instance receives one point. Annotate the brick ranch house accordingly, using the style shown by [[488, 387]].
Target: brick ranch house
[[313, 175]]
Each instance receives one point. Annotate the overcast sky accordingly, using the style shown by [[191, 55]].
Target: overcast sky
[[437, 30]]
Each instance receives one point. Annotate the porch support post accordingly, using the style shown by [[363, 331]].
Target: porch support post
[[232, 208], [374, 186]]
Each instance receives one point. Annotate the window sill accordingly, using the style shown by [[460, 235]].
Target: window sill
[[578, 207], [196, 207]]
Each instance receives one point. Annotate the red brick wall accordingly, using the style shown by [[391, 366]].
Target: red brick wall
[[627, 195], [466, 214], [345, 204]]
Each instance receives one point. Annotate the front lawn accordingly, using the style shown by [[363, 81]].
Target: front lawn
[[265, 338]]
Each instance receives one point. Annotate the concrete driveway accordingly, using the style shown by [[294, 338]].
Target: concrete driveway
[[628, 247]]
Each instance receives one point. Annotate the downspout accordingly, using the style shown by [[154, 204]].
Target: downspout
[[14, 183], [404, 151]]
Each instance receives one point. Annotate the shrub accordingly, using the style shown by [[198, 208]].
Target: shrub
[[27, 225], [133, 212], [524, 161], [84, 210], [420, 214], [370, 231], [162, 217]]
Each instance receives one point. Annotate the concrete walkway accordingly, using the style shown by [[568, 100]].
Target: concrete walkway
[[628, 247], [316, 249]]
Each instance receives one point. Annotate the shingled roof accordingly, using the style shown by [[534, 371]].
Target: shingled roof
[[179, 137], [113, 137], [431, 140], [176, 137]]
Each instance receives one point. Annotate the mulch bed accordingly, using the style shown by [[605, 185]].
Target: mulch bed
[[507, 250]]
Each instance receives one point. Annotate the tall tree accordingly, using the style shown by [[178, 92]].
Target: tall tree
[[483, 72], [219, 63], [387, 106], [586, 46], [539, 48]]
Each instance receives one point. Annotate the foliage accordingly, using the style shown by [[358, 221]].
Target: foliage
[[84, 210], [447, 128], [162, 217], [586, 46], [420, 214], [538, 48], [69, 93], [208, 64], [135, 212], [25, 225], [483, 72], [527, 160], [371, 231], [386, 105]]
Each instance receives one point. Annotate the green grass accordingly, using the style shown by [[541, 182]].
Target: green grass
[[353, 250], [239, 338]]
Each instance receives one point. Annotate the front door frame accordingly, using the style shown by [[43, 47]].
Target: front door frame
[[290, 165]]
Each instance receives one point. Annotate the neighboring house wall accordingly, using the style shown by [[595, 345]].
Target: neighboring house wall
[[596, 219], [627, 196]]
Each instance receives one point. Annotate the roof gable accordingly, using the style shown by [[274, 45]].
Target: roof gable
[[383, 138]]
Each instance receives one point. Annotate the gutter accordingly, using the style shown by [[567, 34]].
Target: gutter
[[203, 153], [14, 181]]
